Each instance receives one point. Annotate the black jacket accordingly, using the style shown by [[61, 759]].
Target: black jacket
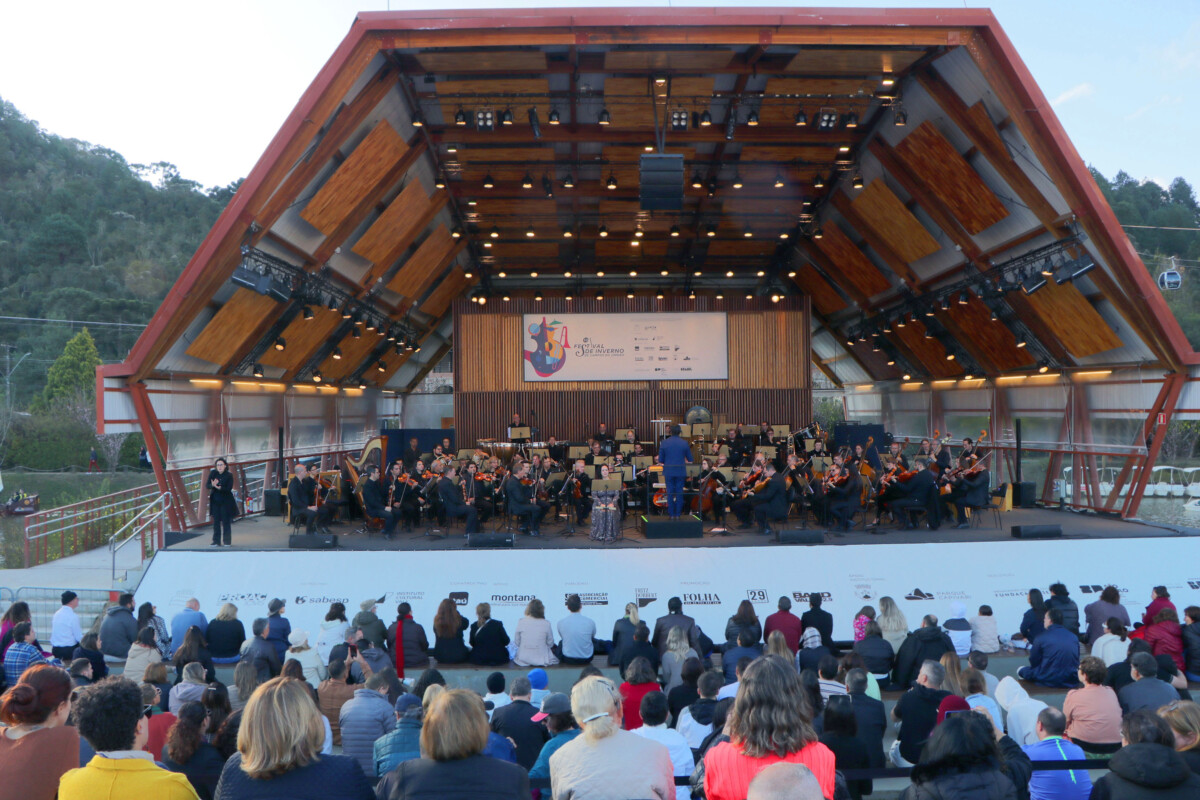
[[773, 497], [917, 711], [1070, 611], [477, 777], [733, 630], [820, 619], [1143, 770], [622, 636], [452, 497], [849, 753], [301, 493], [810, 657], [225, 637], [635, 649], [662, 629], [374, 495], [222, 497], [202, 770], [1191, 647], [872, 726], [923, 644], [265, 659], [975, 493], [450, 649], [515, 721], [877, 654], [489, 644]]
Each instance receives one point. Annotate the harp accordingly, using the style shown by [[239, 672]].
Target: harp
[[371, 453]]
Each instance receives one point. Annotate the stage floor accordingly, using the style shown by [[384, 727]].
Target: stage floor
[[271, 533]]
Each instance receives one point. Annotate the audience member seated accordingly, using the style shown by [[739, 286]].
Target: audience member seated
[[877, 653], [819, 618], [158, 723], [187, 753], [89, 648], [786, 623], [674, 617], [118, 630], [1070, 784], [404, 741], [333, 693], [1160, 598], [865, 614], [369, 623], [261, 653], [192, 648], [892, 622], [332, 632], [1184, 719], [576, 634], [1191, 643], [1033, 623], [1146, 691], [785, 781], [714, 738], [496, 696], [827, 672], [641, 647], [679, 652], [695, 721], [191, 688], [225, 635], [744, 621], [771, 722], [1020, 711], [927, 643], [869, 715], [623, 633], [109, 716], [958, 628], [310, 663], [1165, 636], [448, 629], [1097, 614], [731, 689], [605, 762], [279, 751], [639, 682], [840, 735], [489, 640], [952, 683], [534, 639], [1112, 646], [37, 747], [560, 725], [985, 636], [974, 687], [979, 662], [411, 648], [653, 711], [1147, 766], [1093, 714], [453, 739], [743, 649], [515, 721], [812, 650], [811, 684], [968, 756], [916, 711], [142, 653], [1060, 599], [686, 693], [364, 718], [1054, 659]]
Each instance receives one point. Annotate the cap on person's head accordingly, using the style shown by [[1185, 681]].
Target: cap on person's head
[[298, 638], [951, 703], [538, 678], [275, 605], [367, 605], [68, 596], [495, 682], [553, 703], [406, 701]]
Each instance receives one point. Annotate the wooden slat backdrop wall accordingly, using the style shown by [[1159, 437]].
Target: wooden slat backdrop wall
[[768, 368]]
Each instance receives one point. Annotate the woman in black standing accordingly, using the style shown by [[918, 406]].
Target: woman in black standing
[[221, 505]]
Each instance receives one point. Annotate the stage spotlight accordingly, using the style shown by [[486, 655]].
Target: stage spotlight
[[827, 119], [258, 370], [488, 181], [605, 117], [603, 231], [900, 118], [307, 312], [554, 118], [280, 343], [439, 182], [679, 119], [495, 234], [697, 181], [737, 181], [527, 181], [460, 117], [963, 299], [418, 121], [317, 376], [530, 232], [567, 232], [779, 182], [858, 180], [457, 232], [674, 231], [818, 182], [1033, 282], [568, 182], [851, 120], [506, 117], [705, 118], [1043, 367], [752, 119], [801, 118], [485, 120], [611, 183], [710, 231]]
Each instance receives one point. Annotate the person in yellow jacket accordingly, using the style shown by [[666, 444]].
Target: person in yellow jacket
[[109, 715]]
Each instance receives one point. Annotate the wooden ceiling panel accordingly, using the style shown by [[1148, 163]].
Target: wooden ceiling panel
[[451, 287], [686, 60], [1073, 320], [851, 262], [303, 337], [520, 155], [852, 61], [391, 234], [784, 153], [929, 352], [536, 208], [951, 179], [519, 94], [742, 248], [424, 265], [891, 221], [772, 209], [353, 352], [627, 100], [781, 110], [991, 343], [620, 248], [512, 253], [825, 298], [234, 323], [361, 173], [492, 60]]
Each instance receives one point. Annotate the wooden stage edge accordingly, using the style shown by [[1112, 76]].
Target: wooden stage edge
[[271, 533]]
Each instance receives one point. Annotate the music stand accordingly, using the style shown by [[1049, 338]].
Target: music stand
[[751, 430], [577, 451], [693, 470], [622, 433], [626, 447], [519, 436], [766, 450], [643, 462], [702, 430]]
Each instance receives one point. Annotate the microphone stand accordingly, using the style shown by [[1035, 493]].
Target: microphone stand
[[570, 529], [430, 530]]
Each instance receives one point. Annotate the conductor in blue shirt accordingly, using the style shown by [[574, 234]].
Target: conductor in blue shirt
[[673, 454]]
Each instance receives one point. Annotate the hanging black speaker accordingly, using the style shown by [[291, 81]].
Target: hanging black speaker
[[661, 182]]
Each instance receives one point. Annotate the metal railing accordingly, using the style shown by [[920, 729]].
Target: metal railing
[[44, 601], [146, 527], [78, 527]]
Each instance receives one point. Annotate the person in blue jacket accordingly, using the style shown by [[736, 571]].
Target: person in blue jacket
[[1054, 659], [1056, 784], [674, 454]]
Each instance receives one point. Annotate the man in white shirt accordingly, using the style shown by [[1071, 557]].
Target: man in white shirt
[[654, 726], [65, 631], [575, 634]]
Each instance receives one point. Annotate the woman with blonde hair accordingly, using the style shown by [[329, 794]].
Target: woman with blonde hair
[[279, 745], [534, 638], [1184, 718], [245, 681], [453, 736], [952, 683], [225, 635], [623, 633], [892, 622], [777, 645], [489, 640], [678, 651], [771, 721], [605, 762]]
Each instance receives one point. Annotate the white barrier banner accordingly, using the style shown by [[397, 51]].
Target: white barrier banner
[[711, 581], [622, 347]]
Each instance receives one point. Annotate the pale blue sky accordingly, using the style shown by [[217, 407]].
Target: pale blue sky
[[205, 86]]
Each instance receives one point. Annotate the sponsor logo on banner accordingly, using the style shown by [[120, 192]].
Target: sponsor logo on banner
[[802, 597], [756, 595], [1011, 593], [1194, 584], [242, 597], [404, 597], [319, 599], [917, 594], [644, 597], [590, 598], [701, 598], [511, 599], [1096, 588], [460, 598]]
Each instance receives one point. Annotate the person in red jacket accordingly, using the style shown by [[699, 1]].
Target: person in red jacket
[[786, 623], [1165, 636], [1160, 598]]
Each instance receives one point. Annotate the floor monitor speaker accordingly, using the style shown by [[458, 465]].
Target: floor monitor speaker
[[801, 536], [682, 528], [1037, 531], [312, 541], [489, 539]]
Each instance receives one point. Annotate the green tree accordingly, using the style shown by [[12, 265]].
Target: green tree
[[72, 376]]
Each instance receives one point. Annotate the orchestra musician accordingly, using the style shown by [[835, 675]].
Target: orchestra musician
[[521, 501], [595, 457], [577, 491], [743, 507], [631, 437], [604, 439], [968, 488], [968, 447], [770, 503], [375, 500], [448, 447], [477, 491], [766, 435], [407, 495], [302, 500], [920, 491], [556, 451], [712, 483], [844, 497], [674, 453], [516, 423], [454, 500], [412, 454], [925, 450]]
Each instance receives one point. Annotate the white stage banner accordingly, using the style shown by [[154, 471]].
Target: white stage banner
[[625, 347], [711, 581]]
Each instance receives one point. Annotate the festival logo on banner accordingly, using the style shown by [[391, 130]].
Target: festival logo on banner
[[644, 597], [550, 351]]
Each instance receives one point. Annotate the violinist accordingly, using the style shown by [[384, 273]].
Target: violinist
[[968, 488], [521, 501], [919, 491], [968, 448], [844, 496], [888, 483], [743, 507], [404, 498], [375, 501], [576, 491], [797, 475], [770, 503], [477, 491], [302, 500], [453, 500]]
